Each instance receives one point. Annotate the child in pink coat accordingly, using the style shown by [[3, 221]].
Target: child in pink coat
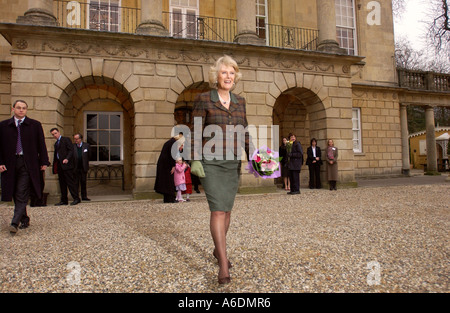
[[179, 178]]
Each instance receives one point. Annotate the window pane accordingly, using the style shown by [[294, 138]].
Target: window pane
[[91, 121], [103, 138], [92, 138], [190, 24], [103, 121], [115, 138], [103, 154], [115, 153], [114, 122], [104, 134]]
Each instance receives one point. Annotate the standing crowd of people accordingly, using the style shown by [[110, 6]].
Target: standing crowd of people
[[24, 159], [291, 154]]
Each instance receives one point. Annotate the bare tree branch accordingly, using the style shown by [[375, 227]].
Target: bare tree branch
[[439, 28]]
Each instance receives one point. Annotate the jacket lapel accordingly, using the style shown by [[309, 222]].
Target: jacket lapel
[[215, 98]]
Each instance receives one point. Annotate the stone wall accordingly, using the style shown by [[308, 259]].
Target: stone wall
[[381, 133]]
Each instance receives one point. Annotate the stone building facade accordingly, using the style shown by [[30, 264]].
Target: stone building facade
[[126, 88]]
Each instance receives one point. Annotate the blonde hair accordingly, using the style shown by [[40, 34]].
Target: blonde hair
[[214, 70]]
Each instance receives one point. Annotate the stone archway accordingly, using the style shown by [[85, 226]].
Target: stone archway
[[103, 96], [185, 102], [300, 111]]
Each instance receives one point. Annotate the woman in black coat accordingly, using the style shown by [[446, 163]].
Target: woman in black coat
[[314, 161], [295, 164], [164, 183]]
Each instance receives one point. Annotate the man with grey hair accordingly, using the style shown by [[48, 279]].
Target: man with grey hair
[[82, 164]]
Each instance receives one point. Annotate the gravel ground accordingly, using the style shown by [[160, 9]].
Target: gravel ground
[[373, 239]]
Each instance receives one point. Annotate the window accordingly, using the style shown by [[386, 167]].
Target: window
[[356, 122], [104, 135], [261, 18], [104, 15], [183, 21], [346, 26]]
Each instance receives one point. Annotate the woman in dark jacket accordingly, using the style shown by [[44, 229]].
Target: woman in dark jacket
[[332, 165], [284, 164], [164, 183], [295, 164]]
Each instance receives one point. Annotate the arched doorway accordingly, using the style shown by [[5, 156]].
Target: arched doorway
[[185, 103], [300, 111], [104, 114]]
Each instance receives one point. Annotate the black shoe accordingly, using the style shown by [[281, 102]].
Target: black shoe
[[24, 225], [75, 202], [85, 199], [13, 229], [293, 193], [62, 203]]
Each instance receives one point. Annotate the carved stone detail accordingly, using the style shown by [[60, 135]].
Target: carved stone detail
[[86, 48]]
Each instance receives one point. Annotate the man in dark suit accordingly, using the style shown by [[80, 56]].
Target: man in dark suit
[[64, 166], [295, 156], [23, 155], [314, 161], [82, 164]]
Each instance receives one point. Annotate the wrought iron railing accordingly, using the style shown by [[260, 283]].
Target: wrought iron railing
[[96, 15], [423, 80], [292, 37], [200, 27]]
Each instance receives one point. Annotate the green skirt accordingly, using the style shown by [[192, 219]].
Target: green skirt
[[220, 183]]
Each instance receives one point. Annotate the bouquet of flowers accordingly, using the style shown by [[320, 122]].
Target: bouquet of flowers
[[289, 146], [264, 163]]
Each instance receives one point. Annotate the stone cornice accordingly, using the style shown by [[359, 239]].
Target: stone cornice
[[49, 40]]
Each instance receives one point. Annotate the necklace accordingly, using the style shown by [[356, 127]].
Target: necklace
[[223, 101]]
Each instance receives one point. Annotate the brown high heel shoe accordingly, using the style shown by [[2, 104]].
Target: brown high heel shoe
[[229, 263]]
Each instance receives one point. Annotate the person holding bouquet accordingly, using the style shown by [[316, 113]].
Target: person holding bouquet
[[219, 168], [295, 155]]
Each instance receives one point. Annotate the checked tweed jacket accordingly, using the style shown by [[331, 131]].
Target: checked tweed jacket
[[215, 117]]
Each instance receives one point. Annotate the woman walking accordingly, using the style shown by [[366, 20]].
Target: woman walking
[[219, 168]]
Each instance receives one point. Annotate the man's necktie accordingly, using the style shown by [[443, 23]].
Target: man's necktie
[[19, 149], [57, 148]]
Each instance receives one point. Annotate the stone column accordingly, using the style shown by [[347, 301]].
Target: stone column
[[246, 23], [405, 141], [40, 12], [151, 19], [326, 23], [431, 140]]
